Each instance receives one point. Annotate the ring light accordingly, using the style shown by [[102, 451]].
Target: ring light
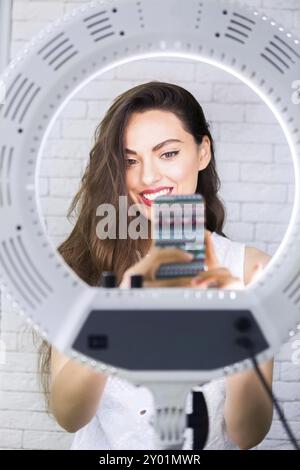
[[107, 327]]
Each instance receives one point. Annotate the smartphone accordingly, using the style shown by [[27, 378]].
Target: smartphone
[[179, 221]]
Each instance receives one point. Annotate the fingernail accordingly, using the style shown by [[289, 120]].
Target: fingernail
[[189, 256]]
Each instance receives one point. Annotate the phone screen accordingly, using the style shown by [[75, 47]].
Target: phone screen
[[179, 221]]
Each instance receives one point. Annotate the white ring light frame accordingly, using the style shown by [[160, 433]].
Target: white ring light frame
[[59, 61]]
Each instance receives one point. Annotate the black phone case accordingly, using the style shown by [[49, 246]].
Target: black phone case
[[179, 222]]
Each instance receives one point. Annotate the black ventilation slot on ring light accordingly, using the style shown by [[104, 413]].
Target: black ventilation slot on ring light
[[6, 156], [22, 272], [293, 289], [19, 98], [99, 26], [198, 15], [9, 91], [58, 51], [16, 276], [239, 29], [280, 54], [37, 280]]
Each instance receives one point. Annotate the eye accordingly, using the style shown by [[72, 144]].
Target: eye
[[129, 160], [170, 154]]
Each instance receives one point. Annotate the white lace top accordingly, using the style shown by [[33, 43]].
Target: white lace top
[[122, 419]]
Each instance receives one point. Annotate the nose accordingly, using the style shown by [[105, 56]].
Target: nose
[[150, 173]]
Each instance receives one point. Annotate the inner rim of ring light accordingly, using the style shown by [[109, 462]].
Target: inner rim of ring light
[[198, 58]]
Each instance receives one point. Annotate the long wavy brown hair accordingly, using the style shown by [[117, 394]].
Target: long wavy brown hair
[[104, 181]]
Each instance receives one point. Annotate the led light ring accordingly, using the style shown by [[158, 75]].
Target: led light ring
[[57, 63]]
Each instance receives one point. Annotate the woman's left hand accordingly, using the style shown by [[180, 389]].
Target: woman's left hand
[[216, 275]]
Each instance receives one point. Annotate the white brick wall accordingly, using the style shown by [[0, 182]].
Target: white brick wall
[[255, 168]]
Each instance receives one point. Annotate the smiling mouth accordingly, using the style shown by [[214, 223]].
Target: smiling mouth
[[147, 198]]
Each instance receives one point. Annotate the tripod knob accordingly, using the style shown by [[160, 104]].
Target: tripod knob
[[136, 280], [108, 279]]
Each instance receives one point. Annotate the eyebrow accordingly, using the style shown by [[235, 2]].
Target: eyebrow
[[157, 147]]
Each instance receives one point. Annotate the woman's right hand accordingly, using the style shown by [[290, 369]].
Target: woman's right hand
[[148, 265]]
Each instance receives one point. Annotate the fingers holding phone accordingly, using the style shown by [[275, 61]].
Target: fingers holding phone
[[215, 275], [148, 266]]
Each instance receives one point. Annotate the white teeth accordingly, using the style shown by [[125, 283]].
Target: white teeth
[[152, 196]]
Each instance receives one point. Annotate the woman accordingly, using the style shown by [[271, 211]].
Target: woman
[[153, 138]]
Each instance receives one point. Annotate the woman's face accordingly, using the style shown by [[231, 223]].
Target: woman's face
[[161, 157]]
